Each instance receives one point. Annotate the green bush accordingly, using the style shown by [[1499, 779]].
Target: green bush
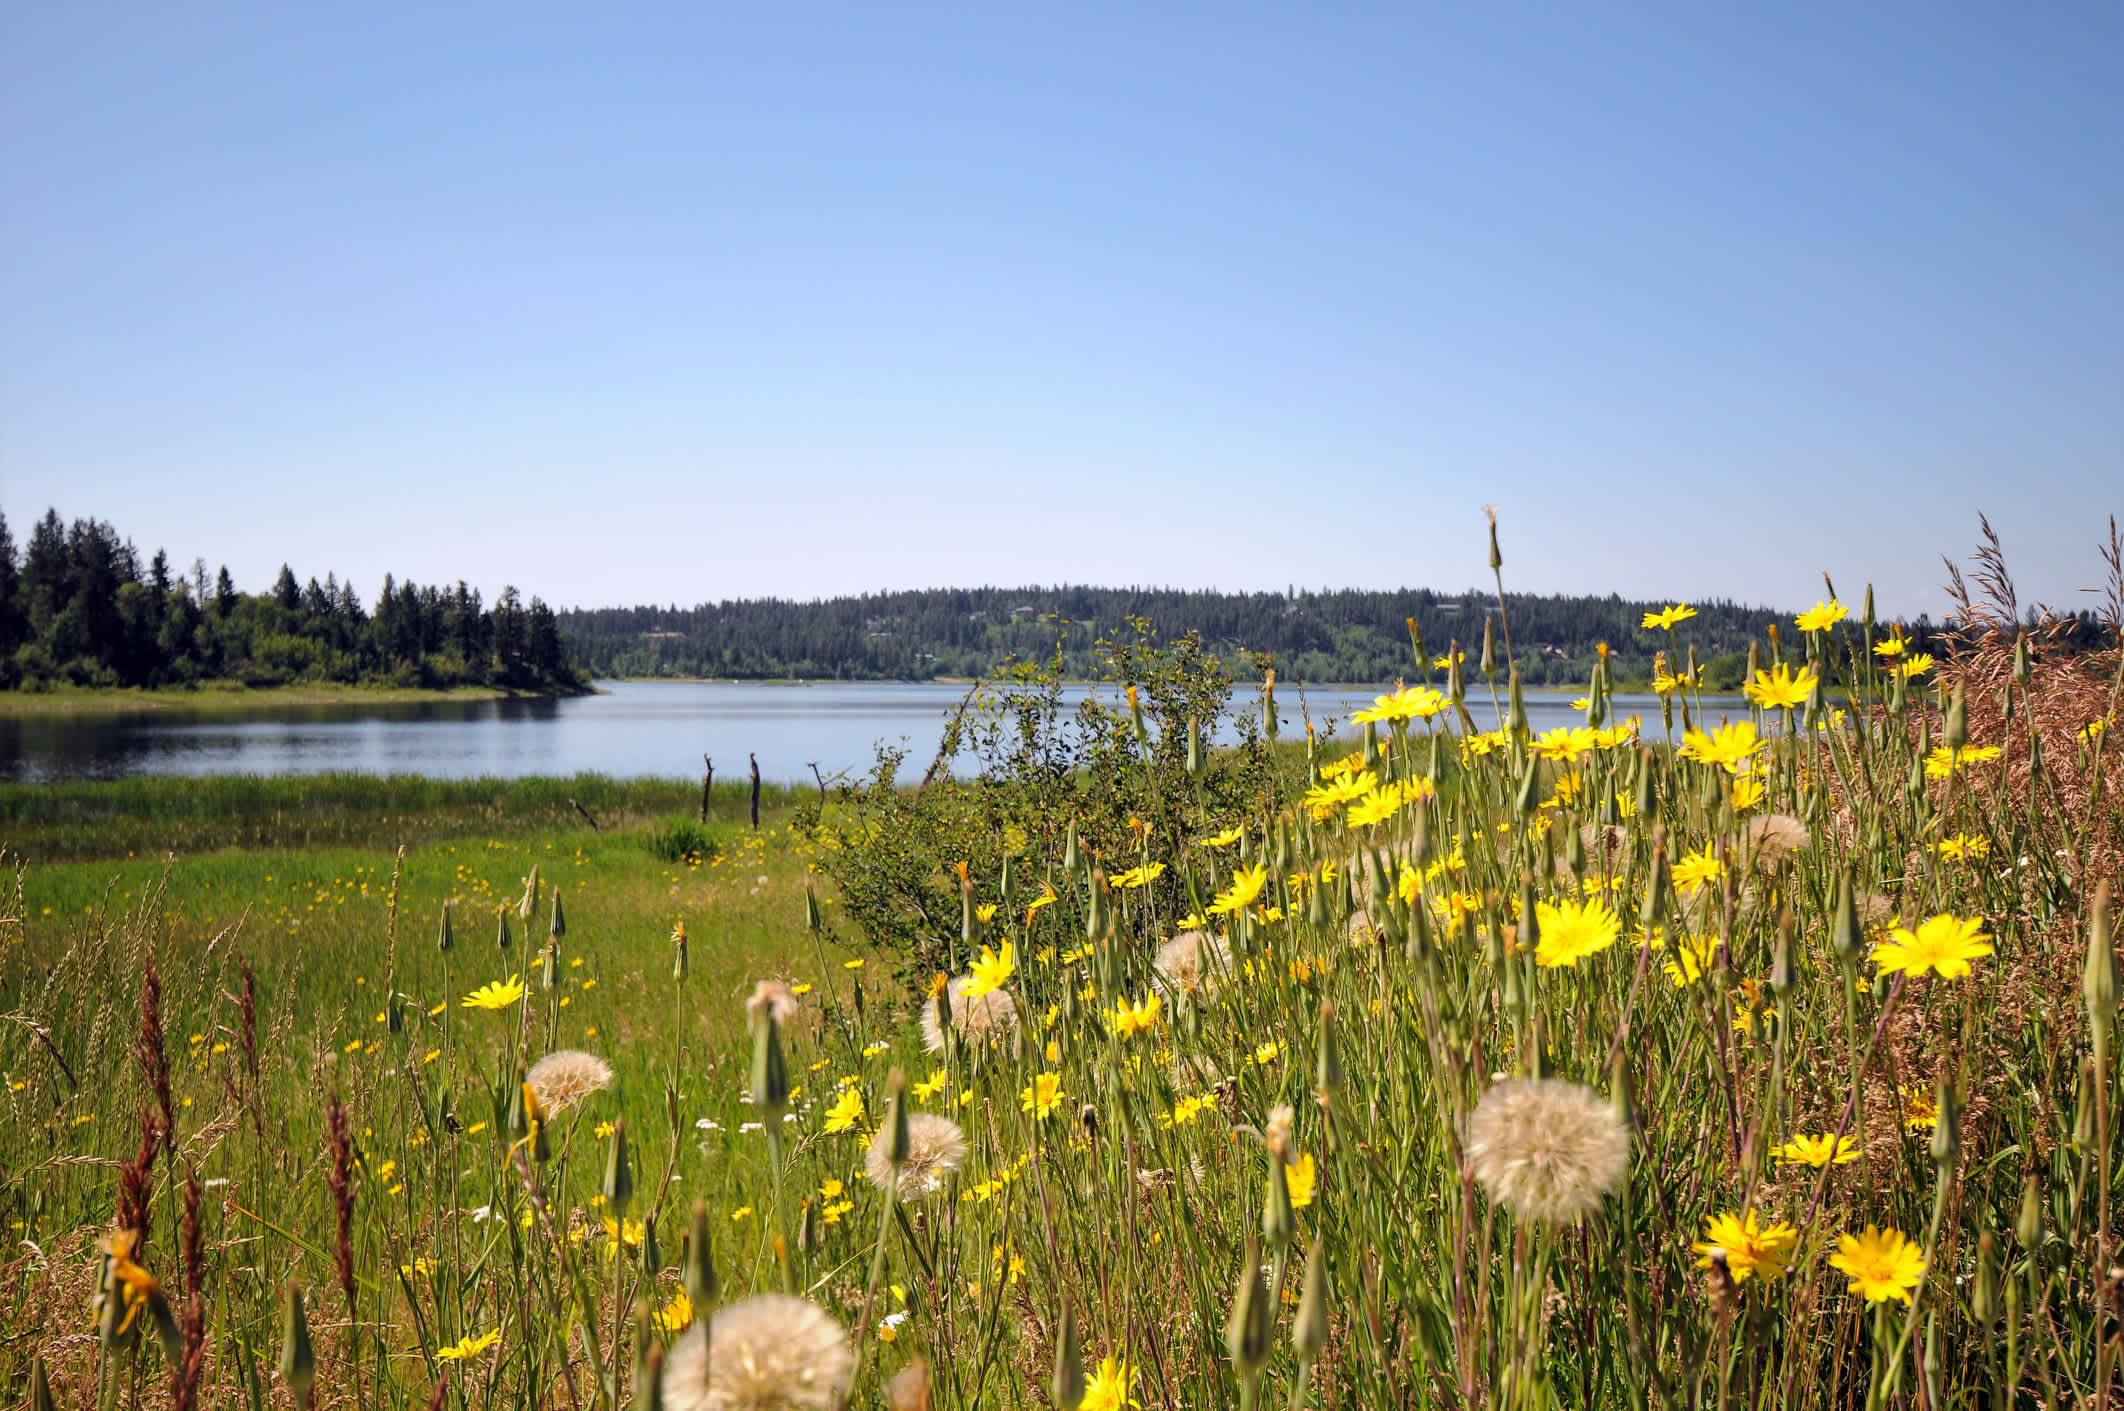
[[681, 839]]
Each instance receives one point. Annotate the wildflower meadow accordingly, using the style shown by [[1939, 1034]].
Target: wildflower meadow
[[1756, 1052]]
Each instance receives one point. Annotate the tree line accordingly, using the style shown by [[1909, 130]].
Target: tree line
[[80, 606], [1346, 635]]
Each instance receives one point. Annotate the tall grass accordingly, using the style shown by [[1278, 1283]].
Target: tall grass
[[1593, 1079]]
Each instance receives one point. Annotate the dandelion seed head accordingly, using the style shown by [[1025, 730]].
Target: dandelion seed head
[[1191, 964], [909, 1388], [1278, 1131], [981, 1020], [1775, 837], [771, 999], [936, 1149], [565, 1077], [1547, 1149], [762, 1353]]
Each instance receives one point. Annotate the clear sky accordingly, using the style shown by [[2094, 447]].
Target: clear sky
[[627, 303]]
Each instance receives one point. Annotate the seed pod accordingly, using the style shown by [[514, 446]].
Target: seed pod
[[1984, 1298], [1067, 1384], [1456, 683], [770, 1071], [1866, 612], [701, 1284], [558, 927], [2028, 1229], [652, 1251], [896, 1118], [812, 919], [1489, 647], [1846, 936], [501, 928], [443, 939], [619, 1171], [1647, 785], [1069, 847], [1516, 710], [1248, 1330], [1947, 1125], [2098, 979], [1496, 558], [969, 917], [1529, 788], [1956, 734], [1095, 925], [2021, 657], [298, 1362], [1781, 963], [1329, 1076], [1278, 1220], [1309, 1331]]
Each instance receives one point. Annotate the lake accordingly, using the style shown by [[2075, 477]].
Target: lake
[[633, 729]]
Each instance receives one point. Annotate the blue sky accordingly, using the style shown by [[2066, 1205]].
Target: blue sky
[[670, 303]]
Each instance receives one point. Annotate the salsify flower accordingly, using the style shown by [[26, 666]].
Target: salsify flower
[[1694, 870], [1567, 742], [1822, 616], [1893, 646], [1692, 959], [1730, 747], [1818, 1151], [1749, 1249], [1921, 1110], [1881, 1264], [1942, 762], [1136, 877], [1222, 840], [1110, 1387], [1943, 945], [1129, 1019], [1781, 688], [991, 972], [847, 1110], [470, 1345], [1962, 845], [1042, 1095], [1666, 618], [1573, 930], [1918, 664], [496, 994], [1247, 883], [1323, 799], [1300, 1177]]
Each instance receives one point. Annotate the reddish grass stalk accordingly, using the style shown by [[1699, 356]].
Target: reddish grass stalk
[[154, 1058], [185, 1376]]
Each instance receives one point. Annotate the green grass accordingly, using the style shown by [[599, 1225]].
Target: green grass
[[150, 816]]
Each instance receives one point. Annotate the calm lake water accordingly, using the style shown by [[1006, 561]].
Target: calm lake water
[[634, 729]]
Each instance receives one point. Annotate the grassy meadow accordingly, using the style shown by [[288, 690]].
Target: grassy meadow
[[1682, 1061]]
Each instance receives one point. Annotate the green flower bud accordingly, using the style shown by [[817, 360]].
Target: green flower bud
[[298, 1362], [770, 1071], [1278, 1220], [1194, 748], [1069, 847], [896, 1118], [1489, 648], [2028, 1229], [1329, 1075], [1947, 1126], [1846, 936], [1309, 1332], [1957, 730], [1984, 1298], [1516, 710], [558, 927], [1247, 1332], [501, 928], [619, 1172], [1067, 1386], [2098, 979], [701, 1284], [652, 1251], [40, 1397], [443, 939]]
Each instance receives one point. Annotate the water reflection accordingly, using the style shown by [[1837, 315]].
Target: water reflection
[[634, 729]]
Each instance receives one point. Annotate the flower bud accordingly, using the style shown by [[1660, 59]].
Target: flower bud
[[1782, 978], [1248, 1330], [619, 1172], [501, 928], [1067, 1384], [2028, 1229], [701, 1284], [1194, 748], [443, 939], [1846, 936], [1309, 1332], [558, 927], [1456, 682], [298, 1362], [2098, 980], [770, 1071], [1489, 647], [812, 919], [652, 1251], [1278, 1220], [1947, 1124], [1984, 1298], [1329, 1075], [896, 1118], [2021, 658], [40, 1396], [1516, 710], [1069, 848], [1956, 734]]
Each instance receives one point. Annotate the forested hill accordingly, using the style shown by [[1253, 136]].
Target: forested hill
[[1312, 636], [81, 606]]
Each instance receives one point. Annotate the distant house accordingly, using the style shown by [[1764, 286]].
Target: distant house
[[664, 636]]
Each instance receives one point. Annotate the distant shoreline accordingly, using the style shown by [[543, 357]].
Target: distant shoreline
[[234, 698]]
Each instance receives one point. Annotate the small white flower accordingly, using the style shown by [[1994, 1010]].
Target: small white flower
[[709, 1124]]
